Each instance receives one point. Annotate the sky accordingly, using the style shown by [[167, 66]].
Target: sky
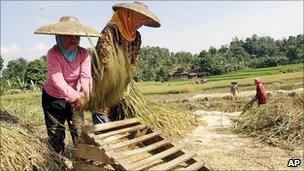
[[190, 26]]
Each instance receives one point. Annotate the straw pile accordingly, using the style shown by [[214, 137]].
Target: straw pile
[[21, 150], [280, 122]]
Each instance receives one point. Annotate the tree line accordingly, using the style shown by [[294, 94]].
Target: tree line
[[157, 63], [254, 52]]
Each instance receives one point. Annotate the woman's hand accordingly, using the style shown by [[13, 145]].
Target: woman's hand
[[81, 102]]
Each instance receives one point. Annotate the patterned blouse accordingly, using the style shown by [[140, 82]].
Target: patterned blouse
[[114, 67]]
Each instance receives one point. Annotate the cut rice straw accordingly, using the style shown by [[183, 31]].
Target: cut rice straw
[[116, 87], [280, 122]]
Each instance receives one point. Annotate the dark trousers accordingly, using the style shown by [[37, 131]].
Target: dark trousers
[[116, 113], [98, 118], [56, 112]]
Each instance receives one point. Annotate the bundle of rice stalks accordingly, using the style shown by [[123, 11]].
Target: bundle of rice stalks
[[280, 122], [111, 76], [172, 122], [111, 85], [21, 150]]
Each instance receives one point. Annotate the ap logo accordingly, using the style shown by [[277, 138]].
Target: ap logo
[[294, 162]]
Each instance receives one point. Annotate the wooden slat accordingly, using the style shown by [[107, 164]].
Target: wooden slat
[[143, 149], [194, 166], [133, 141], [87, 139], [170, 165], [93, 153], [103, 135], [152, 159], [109, 125], [110, 139], [125, 130], [88, 167], [175, 155]]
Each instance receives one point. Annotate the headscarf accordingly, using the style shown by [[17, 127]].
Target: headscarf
[[128, 22], [69, 56], [257, 81]]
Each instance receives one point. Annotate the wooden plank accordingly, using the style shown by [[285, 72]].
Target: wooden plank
[[143, 149], [93, 153], [170, 165], [194, 166], [175, 155], [152, 159], [87, 139], [110, 139], [88, 167], [125, 130], [109, 125], [92, 136], [133, 141]]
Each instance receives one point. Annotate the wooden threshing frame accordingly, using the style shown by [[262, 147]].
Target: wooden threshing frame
[[114, 145]]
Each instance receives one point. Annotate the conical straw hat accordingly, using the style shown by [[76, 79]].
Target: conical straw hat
[[67, 25], [141, 8]]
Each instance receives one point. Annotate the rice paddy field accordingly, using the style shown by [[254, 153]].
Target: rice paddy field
[[22, 118], [289, 76]]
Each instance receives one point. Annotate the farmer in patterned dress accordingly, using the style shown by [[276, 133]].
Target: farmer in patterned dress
[[260, 96], [117, 51]]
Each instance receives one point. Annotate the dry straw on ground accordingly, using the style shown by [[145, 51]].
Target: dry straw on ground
[[21, 150], [170, 121], [280, 122]]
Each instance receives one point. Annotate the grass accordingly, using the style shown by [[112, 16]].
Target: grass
[[187, 86], [26, 106], [245, 73]]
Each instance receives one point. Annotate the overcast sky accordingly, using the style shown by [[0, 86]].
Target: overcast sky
[[186, 25]]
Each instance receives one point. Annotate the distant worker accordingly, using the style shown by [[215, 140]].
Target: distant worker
[[234, 88], [260, 96]]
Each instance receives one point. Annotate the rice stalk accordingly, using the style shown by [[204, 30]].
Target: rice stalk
[[98, 69], [280, 122], [21, 150], [172, 122], [108, 88], [114, 86]]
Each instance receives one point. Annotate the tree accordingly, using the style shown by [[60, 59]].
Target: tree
[[43, 57], [15, 69], [1, 63], [236, 48], [212, 50], [223, 49], [36, 72], [154, 64], [182, 57]]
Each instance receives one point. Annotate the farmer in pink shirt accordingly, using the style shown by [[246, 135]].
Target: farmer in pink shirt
[[69, 79]]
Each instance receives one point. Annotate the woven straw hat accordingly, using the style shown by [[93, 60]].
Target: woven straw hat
[[67, 25], [141, 8]]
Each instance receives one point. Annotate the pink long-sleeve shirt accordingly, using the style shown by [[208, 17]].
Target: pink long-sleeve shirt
[[65, 79]]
